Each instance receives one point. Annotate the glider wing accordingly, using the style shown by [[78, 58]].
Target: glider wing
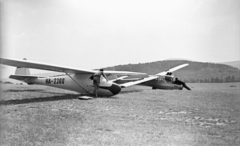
[[172, 70], [57, 68], [138, 81]]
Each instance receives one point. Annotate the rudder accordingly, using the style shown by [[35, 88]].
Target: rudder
[[22, 70]]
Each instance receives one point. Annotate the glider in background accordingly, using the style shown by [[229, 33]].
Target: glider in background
[[163, 80], [74, 79]]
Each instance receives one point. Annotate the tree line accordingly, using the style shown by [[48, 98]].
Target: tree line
[[228, 79]]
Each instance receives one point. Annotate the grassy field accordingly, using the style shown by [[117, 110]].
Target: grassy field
[[40, 115]]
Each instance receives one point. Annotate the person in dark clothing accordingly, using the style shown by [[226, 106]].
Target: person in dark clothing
[[178, 82], [96, 80]]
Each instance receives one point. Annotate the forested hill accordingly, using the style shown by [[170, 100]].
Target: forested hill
[[195, 72]]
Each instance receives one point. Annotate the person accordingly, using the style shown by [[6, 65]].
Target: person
[[179, 82], [96, 80]]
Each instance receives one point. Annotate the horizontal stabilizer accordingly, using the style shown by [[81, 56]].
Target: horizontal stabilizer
[[138, 81], [23, 77]]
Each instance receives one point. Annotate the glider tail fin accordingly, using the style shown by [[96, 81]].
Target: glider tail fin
[[22, 70]]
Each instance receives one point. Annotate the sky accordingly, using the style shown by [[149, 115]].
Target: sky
[[94, 34]]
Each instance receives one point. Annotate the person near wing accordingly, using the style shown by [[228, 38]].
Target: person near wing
[[179, 82], [96, 80]]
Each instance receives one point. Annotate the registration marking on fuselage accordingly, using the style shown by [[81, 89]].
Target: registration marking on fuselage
[[55, 81]]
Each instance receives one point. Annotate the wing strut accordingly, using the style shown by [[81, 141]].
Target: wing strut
[[77, 83]]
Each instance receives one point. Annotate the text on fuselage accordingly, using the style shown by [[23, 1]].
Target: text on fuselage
[[55, 81]]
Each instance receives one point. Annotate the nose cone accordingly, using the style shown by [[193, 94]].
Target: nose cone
[[115, 89]]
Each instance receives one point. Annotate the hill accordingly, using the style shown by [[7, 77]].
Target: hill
[[195, 72], [233, 64]]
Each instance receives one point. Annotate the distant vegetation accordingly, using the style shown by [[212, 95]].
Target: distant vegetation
[[7, 82], [196, 72]]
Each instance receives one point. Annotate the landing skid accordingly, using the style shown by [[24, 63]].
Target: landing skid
[[85, 97]]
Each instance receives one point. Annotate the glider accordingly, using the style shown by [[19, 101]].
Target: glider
[[73, 79], [163, 80]]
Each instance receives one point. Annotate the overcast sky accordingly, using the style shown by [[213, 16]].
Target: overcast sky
[[100, 33]]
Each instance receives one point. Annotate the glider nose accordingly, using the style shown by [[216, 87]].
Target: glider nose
[[115, 89]]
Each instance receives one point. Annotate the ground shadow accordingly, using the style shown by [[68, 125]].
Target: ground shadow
[[47, 99], [130, 91], [40, 99], [23, 90], [32, 90]]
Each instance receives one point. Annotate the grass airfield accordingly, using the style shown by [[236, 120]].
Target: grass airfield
[[40, 115]]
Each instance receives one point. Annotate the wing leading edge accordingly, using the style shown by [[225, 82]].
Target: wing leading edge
[[57, 68]]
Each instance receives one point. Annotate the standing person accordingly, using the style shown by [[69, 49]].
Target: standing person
[[96, 80]]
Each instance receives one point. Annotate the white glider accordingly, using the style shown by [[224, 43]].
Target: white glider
[[74, 79]]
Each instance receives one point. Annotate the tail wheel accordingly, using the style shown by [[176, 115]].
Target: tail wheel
[[154, 88]]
